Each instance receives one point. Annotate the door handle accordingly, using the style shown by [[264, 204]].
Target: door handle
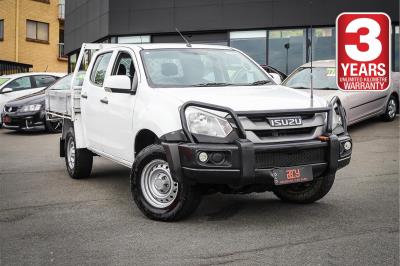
[[83, 95], [104, 100]]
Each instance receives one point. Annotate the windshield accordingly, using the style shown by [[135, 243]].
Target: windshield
[[3, 80], [324, 78], [200, 67]]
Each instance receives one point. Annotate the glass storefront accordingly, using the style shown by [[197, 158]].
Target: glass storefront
[[134, 39], [324, 43], [396, 62], [253, 43], [286, 49]]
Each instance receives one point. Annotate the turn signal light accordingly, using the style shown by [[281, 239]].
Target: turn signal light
[[323, 138]]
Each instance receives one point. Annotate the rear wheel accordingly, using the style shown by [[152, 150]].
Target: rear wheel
[[78, 161], [391, 109], [158, 194], [305, 192]]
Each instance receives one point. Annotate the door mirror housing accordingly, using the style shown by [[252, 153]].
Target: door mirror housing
[[6, 90], [118, 83], [276, 78]]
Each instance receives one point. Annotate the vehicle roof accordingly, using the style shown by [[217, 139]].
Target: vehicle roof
[[12, 76], [321, 63], [173, 45]]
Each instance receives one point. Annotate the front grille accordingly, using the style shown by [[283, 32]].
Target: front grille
[[263, 118], [284, 132], [270, 159]]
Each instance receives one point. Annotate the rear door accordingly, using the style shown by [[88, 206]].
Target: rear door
[[93, 107], [365, 103], [119, 108]]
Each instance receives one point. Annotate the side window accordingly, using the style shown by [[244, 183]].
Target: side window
[[100, 68], [124, 66], [44, 81], [23, 83]]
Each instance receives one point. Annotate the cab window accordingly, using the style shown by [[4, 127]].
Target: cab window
[[100, 68], [124, 66]]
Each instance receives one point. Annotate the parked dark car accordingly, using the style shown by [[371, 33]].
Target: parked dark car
[[28, 112]]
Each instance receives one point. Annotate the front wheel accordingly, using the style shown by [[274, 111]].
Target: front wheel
[[158, 194], [308, 192], [78, 161]]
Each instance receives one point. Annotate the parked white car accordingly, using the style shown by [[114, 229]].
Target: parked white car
[[193, 119], [18, 85], [359, 105]]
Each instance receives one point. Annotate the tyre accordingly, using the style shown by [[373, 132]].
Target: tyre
[[308, 192], [391, 109], [156, 192], [78, 161], [53, 126]]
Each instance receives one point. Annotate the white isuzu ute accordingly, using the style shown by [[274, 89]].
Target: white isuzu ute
[[197, 119]]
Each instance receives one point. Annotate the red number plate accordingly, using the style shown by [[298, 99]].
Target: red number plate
[[290, 175], [6, 119]]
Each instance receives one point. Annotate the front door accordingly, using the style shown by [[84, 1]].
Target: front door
[[119, 110]]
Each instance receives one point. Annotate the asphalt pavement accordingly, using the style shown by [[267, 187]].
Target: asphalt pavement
[[46, 218]]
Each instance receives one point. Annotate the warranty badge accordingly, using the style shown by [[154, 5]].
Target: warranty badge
[[363, 51]]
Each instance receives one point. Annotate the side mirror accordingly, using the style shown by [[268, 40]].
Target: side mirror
[[119, 83], [276, 78], [6, 90]]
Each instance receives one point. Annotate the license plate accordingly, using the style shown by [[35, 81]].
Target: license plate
[[6, 119], [291, 175]]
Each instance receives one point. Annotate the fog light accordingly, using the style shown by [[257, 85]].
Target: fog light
[[203, 157], [347, 145], [217, 158]]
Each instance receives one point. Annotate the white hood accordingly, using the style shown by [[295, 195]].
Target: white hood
[[246, 98]]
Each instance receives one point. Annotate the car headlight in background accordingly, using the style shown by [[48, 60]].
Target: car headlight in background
[[205, 123], [31, 108], [337, 123]]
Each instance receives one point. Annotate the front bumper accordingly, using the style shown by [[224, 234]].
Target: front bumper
[[248, 163], [24, 120]]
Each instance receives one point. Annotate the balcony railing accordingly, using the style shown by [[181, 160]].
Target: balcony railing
[[61, 11], [61, 54]]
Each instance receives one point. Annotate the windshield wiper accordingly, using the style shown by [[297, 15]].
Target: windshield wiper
[[259, 82], [211, 84]]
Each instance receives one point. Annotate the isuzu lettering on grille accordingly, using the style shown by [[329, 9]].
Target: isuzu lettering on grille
[[285, 121]]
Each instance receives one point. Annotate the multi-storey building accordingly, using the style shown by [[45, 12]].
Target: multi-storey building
[[32, 36]]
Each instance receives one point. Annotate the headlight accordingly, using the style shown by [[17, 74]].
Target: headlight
[[205, 123], [31, 108], [337, 123]]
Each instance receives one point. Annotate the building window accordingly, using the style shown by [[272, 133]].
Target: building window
[[37, 31], [43, 1], [253, 43], [323, 44], [396, 62], [1, 29], [134, 39], [286, 49]]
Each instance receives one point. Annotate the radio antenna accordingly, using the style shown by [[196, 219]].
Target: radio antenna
[[183, 37], [311, 64]]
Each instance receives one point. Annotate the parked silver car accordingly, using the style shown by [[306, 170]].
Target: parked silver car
[[359, 105]]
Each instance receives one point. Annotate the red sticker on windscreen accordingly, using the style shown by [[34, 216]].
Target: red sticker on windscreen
[[363, 51]]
